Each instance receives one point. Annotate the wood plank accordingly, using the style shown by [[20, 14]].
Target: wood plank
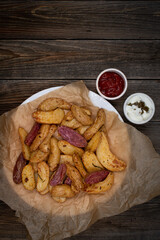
[[77, 59], [79, 20], [132, 224]]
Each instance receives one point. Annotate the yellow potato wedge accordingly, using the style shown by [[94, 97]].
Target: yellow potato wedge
[[91, 162], [25, 148], [99, 121], [59, 199], [35, 166], [54, 156], [79, 165], [68, 116], [45, 145], [53, 103], [42, 133], [75, 177], [101, 186], [62, 191], [106, 158], [66, 159], [87, 111], [93, 143], [82, 129], [50, 117], [38, 156], [28, 178], [81, 115], [72, 123], [69, 149], [57, 135], [43, 176], [45, 191]]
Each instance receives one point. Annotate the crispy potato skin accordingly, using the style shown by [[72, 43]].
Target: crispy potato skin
[[93, 143], [53, 103], [66, 159], [54, 156], [99, 121], [69, 149], [38, 156], [50, 117], [82, 129], [32, 134], [107, 158], [101, 186], [43, 176], [91, 162], [25, 149], [71, 123], [42, 133], [68, 116], [75, 177], [62, 191], [28, 179], [81, 115], [79, 165], [45, 145], [17, 171]]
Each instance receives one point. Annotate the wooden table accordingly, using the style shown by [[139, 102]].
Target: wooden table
[[50, 43]]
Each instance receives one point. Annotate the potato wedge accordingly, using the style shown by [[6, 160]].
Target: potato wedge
[[101, 186], [68, 116], [54, 156], [35, 166], [45, 145], [93, 143], [42, 133], [50, 117], [75, 177], [107, 158], [79, 165], [82, 129], [59, 199], [43, 176], [87, 111], [69, 149], [28, 179], [45, 191], [66, 159], [99, 121], [72, 123], [81, 115], [91, 162], [38, 156], [62, 191], [57, 135], [25, 149], [53, 103]]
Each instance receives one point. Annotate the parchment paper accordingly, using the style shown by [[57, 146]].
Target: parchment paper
[[46, 219]]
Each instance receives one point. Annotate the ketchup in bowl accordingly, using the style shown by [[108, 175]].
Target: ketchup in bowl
[[111, 84]]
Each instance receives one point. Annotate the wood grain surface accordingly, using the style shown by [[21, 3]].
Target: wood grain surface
[[45, 44]]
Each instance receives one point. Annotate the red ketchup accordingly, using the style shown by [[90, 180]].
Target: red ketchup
[[111, 84]]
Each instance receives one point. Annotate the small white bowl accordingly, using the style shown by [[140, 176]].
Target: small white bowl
[[144, 98], [119, 73]]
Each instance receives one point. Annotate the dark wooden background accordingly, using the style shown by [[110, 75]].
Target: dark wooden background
[[50, 43]]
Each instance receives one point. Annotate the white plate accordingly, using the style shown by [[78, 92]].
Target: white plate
[[97, 100]]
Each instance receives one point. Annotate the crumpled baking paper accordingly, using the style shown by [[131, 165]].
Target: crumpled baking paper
[[46, 219]]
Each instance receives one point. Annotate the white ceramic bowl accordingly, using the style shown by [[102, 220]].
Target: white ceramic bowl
[[119, 73], [146, 99]]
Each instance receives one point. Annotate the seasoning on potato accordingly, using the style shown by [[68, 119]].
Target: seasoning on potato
[[66, 152]]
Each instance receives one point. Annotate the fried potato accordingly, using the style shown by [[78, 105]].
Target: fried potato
[[101, 186], [45, 145], [93, 143], [72, 123], [79, 165], [75, 177], [91, 162], [68, 116], [28, 179], [38, 156], [35, 166], [107, 158], [81, 115], [66, 159], [45, 191], [54, 156], [57, 135], [82, 129], [99, 121], [69, 149], [25, 148], [42, 133], [59, 199], [50, 117], [62, 191], [87, 111], [43, 176], [53, 103]]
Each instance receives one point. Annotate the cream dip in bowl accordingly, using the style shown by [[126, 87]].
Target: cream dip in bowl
[[139, 108]]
